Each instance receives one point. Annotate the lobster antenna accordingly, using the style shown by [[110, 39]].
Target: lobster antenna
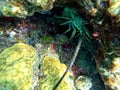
[[71, 64]]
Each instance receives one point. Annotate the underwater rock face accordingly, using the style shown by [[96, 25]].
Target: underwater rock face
[[53, 71], [99, 12], [108, 58], [13, 9], [92, 7], [114, 8], [16, 67], [104, 17], [22, 8], [110, 76]]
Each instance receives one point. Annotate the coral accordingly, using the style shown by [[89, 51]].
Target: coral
[[114, 8], [21, 8], [53, 71], [111, 75], [107, 57], [83, 83], [13, 9], [105, 20], [43, 4], [16, 67]]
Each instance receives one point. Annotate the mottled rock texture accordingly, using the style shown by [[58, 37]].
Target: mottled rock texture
[[23, 8], [104, 17]]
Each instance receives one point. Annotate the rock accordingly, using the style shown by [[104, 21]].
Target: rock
[[16, 67], [92, 8], [44, 5], [114, 8], [21, 8], [104, 17], [110, 75], [13, 9]]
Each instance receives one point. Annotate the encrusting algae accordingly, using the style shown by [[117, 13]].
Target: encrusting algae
[[16, 67]]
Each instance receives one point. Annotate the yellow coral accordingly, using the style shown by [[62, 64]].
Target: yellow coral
[[114, 8], [16, 67], [116, 64], [53, 71]]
